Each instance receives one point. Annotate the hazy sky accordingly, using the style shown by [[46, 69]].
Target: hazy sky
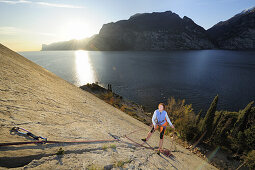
[[27, 24]]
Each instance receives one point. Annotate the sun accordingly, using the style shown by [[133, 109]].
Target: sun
[[76, 29]]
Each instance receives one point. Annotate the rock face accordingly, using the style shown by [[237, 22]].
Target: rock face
[[237, 32], [151, 31], [35, 99], [67, 45]]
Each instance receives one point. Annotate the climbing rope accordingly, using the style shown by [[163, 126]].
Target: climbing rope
[[23, 131], [44, 140], [164, 151]]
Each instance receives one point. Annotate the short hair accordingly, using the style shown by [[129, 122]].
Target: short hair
[[161, 104]]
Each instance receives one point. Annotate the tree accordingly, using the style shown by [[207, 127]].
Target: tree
[[242, 119], [250, 159], [207, 124], [198, 117]]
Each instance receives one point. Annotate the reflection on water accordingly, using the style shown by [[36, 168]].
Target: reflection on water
[[84, 71], [149, 78]]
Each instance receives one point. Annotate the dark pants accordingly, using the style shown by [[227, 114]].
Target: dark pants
[[162, 130]]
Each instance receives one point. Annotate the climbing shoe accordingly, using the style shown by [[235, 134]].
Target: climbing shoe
[[144, 139]]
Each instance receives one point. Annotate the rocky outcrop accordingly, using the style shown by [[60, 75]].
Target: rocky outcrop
[[237, 32], [33, 98], [151, 31]]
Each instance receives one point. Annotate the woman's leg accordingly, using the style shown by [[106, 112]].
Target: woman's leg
[[162, 132], [150, 133]]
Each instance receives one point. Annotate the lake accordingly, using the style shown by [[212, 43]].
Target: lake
[[148, 78]]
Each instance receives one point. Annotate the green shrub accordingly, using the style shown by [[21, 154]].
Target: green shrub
[[250, 159], [250, 137], [104, 147], [113, 146], [94, 167], [183, 118], [121, 163], [60, 152]]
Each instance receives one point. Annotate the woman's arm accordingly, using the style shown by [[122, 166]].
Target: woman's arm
[[168, 120], [153, 118]]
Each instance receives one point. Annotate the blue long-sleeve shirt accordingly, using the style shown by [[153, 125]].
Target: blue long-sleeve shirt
[[160, 117]]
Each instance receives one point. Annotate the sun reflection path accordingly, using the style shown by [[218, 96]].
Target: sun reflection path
[[84, 71]]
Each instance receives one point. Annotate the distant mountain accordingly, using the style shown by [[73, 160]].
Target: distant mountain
[[237, 32], [151, 31], [67, 45], [146, 31], [168, 31]]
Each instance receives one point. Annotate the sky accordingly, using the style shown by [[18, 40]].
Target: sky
[[27, 24]]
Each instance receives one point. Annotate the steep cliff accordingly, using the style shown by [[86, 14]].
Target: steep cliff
[[237, 32], [151, 31]]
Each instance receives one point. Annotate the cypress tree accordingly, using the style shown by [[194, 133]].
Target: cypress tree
[[242, 119], [198, 117], [209, 117], [217, 124]]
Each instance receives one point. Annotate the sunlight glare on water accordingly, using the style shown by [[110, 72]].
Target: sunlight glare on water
[[84, 71]]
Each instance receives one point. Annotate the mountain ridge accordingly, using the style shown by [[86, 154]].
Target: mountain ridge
[[236, 33], [158, 31]]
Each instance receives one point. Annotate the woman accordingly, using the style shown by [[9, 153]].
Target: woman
[[159, 119]]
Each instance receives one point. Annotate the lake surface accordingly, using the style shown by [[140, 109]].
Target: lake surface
[[148, 78]]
